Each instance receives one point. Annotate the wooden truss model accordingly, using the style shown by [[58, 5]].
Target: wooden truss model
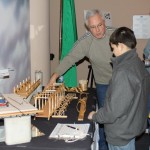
[[82, 110], [53, 102], [26, 88], [60, 112], [82, 102]]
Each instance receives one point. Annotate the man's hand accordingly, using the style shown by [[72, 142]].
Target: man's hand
[[91, 115], [52, 80]]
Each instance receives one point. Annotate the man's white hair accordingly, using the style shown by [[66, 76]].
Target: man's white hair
[[90, 13]]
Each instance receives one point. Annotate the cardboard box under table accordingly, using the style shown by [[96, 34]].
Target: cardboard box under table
[[17, 119]]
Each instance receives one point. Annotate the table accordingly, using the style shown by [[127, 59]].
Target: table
[[46, 126], [17, 118]]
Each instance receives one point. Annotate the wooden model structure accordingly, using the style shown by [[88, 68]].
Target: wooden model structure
[[60, 112], [53, 101], [82, 100], [26, 88], [82, 110]]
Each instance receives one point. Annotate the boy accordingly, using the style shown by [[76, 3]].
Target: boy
[[124, 114]]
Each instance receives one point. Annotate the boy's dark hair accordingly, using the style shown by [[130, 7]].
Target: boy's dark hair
[[123, 35]]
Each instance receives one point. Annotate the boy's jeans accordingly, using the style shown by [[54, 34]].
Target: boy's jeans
[[129, 146], [101, 93]]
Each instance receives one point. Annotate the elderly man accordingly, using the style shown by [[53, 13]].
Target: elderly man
[[94, 44]]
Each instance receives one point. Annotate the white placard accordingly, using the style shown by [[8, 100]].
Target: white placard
[[141, 26]]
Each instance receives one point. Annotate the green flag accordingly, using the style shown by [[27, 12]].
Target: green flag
[[69, 36]]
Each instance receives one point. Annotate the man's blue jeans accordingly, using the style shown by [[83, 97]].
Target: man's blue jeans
[[129, 146], [101, 93]]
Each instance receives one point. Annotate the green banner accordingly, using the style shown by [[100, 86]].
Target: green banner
[[69, 36]]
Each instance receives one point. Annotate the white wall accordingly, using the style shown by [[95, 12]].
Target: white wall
[[39, 38], [45, 17], [121, 12]]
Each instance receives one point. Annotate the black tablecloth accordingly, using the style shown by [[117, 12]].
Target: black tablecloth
[[46, 126]]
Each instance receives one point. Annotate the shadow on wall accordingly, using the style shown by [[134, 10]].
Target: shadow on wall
[[14, 41]]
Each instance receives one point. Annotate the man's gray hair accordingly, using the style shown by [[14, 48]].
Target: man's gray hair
[[90, 13]]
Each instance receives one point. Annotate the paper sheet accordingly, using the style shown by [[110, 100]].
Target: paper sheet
[[141, 26], [70, 131]]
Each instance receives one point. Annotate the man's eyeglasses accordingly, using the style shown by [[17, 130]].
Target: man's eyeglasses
[[96, 27]]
